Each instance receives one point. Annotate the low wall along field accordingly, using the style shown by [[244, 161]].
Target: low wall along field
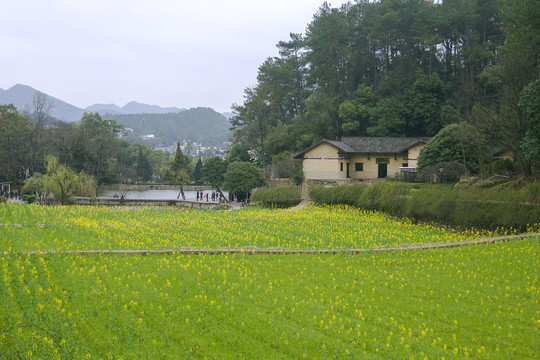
[[153, 187], [150, 202], [476, 301]]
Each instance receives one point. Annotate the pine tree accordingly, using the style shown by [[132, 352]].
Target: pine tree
[[180, 170], [143, 166], [197, 172]]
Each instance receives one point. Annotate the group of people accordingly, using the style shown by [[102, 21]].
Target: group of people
[[218, 197], [239, 198], [10, 195], [215, 196]]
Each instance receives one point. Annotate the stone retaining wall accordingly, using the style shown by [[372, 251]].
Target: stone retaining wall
[[143, 187], [160, 203]]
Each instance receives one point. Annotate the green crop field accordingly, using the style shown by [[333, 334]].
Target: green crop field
[[477, 301], [99, 228]]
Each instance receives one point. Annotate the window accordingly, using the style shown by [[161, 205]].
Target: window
[[404, 165], [340, 166], [359, 167]]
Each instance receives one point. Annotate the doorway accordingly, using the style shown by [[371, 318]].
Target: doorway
[[383, 171]]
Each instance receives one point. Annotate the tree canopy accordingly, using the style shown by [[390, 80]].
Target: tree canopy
[[397, 68], [242, 178], [15, 149], [197, 174], [93, 145], [529, 105], [62, 182], [213, 172], [452, 143], [180, 173]]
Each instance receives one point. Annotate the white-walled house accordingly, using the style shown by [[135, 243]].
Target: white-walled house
[[365, 158]]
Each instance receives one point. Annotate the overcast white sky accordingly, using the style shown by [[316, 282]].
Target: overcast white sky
[[164, 52]]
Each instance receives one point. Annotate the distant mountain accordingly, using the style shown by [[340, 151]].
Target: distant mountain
[[104, 109], [167, 124], [228, 115], [132, 107], [22, 95], [202, 125], [138, 108]]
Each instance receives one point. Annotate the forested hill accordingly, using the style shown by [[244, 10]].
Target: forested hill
[[399, 68], [198, 124]]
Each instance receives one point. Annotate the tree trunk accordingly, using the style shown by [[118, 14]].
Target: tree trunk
[[181, 193], [224, 197], [385, 58], [263, 164]]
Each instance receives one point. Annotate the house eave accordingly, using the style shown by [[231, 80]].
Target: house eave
[[347, 149], [300, 155]]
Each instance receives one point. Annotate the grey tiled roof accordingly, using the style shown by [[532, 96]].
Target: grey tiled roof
[[370, 144], [341, 145], [381, 144]]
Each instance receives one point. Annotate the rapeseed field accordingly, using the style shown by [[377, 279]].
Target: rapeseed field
[[30, 227], [478, 302]]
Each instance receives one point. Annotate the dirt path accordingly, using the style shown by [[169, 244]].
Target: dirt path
[[303, 204], [283, 251]]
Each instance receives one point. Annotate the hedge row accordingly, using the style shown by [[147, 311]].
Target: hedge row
[[462, 206], [280, 196]]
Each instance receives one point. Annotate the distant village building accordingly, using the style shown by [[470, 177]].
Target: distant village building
[[167, 149], [226, 145], [360, 158]]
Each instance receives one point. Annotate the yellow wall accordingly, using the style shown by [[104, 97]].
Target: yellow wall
[[323, 162], [413, 154], [371, 168]]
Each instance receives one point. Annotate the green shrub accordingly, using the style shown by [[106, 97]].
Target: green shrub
[[464, 183], [320, 194], [316, 194], [340, 194], [504, 165], [478, 207], [71, 201], [432, 203], [280, 196], [532, 193], [297, 176], [462, 205], [349, 193], [443, 172], [389, 197], [29, 199]]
